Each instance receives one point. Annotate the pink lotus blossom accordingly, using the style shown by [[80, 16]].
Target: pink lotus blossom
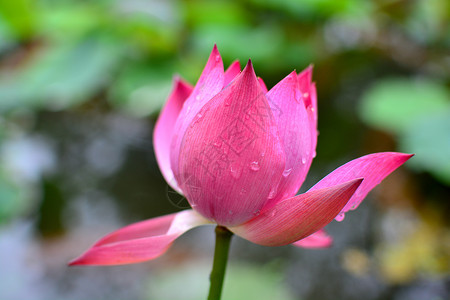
[[239, 153]]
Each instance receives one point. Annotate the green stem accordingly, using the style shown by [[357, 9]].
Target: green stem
[[223, 239]]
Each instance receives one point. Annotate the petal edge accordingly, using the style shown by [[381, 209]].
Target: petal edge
[[140, 241]]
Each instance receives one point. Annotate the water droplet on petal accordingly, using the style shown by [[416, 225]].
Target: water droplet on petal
[[218, 144], [272, 193], [197, 97], [340, 217], [256, 213], [303, 160], [273, 213], [254, 166], [305, 95], [235, 172], [314, 154], [287, 172], [227, 102], [217, 58]]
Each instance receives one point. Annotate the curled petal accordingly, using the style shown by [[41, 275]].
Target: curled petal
[[289, 112], [298, 217], [373, 167], [319, 239], [209, 84], [163, 133], [140, 241], [230, 153]]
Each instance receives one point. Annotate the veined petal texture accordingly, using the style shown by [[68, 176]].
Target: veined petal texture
[[140, 241], [298, 217], [164, 127], [211, 82], [231, 154]]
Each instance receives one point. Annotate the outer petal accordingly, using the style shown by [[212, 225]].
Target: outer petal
[[309, 95], [305, 81], [163, 132], [233, 70], [319, 239], [209, 84], [231, 154], [373, 167], [287, 106], [140, 241], [263, 85], [298, 217]]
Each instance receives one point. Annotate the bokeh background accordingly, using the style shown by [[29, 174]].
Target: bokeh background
[[82, 82]]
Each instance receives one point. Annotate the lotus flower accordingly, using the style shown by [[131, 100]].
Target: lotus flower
[[239, 153]]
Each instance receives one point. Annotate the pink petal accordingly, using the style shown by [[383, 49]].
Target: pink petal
[[140, 241], [233, 70], [163, 132], [373, 168], [293, 124], [309, 94], [209, 84], [305, 80], [263, 85], [319, 239], [298, 217], [312, 114], [231, 153]]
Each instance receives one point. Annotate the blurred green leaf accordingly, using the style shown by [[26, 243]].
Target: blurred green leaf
[[215, 12], [241, 42], [396, 104], [312, 8], [429, 139], [142, 89], [19, 16], [61, 76], [62, 21]]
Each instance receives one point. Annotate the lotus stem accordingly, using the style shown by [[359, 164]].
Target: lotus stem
[[223, 239]]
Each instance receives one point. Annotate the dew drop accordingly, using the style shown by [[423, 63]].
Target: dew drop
[[272, 193], [197, 97], [217, 58], [303, 160], [340, 217], [218, 144], [273, 213], [287, 172], [235, 171], [227, 102], [256, 213], [254, 166], [305, 95], [314, 154]]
